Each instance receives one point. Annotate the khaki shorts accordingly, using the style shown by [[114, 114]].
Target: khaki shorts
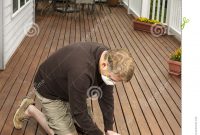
[[58, 115]]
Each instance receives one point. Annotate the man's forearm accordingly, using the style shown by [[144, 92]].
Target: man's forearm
[[90, 128]]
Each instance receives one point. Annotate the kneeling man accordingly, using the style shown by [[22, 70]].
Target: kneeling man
[[66, 79]]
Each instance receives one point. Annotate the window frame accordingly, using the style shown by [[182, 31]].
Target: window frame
[[19, 8], [2, 66]]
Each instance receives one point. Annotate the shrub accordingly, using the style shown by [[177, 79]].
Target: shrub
[[146, 20]]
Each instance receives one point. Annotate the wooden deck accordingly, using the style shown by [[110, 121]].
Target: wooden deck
[[150, 104]]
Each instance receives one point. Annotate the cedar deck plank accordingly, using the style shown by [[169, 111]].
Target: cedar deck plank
[[98, 35], [137, 110], [137, 49], [168, 77], [44, 43], [13, 77], [10, 98], [25, 85], [119, 116], [164, 82], [90, 19], [164, 66], [67, 31], [118, 42], [127, 112], [53, 47], [56, 34], [11, 65], [154, 128], [165, 42], [82, 27], [141, 106], [62, 33], [101, 37], [146, 132], [78, 28]]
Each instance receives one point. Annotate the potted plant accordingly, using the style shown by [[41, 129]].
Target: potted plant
[[149, 25], [175, 63]]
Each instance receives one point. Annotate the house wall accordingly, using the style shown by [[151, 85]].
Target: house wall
[[1, 34], [135, 6], [14, 26]]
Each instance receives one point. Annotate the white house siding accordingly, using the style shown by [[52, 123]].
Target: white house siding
[[1, 34], [14, 26], [125, 2], [134, 6]]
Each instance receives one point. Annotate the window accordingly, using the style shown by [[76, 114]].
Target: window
[[17, 4], [22, 2]]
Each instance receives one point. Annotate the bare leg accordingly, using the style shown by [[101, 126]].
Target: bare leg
[[32, 111]]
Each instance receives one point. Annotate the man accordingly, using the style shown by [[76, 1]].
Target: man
[[62, 85]]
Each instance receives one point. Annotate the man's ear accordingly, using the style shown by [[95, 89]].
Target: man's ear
[[104, 65]]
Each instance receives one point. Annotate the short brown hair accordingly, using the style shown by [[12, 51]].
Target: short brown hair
[[120, 62]]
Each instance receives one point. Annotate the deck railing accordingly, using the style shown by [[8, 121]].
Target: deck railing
[[174, 17], [166, 11], [158, 10]]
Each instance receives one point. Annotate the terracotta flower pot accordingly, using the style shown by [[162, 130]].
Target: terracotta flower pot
[[174, 67]]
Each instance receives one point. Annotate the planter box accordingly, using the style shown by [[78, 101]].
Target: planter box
[[155, 29], [142, 26], [174, 67]]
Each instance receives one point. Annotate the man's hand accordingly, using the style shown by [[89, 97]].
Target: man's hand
[[109, 132]]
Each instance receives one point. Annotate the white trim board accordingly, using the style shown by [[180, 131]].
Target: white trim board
[[130, 11], [1, 37]]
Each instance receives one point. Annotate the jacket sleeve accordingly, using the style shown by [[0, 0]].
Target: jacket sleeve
[[107, 106], [78, 105]]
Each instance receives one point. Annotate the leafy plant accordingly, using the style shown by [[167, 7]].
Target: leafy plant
[[176, 56], [146, 20]]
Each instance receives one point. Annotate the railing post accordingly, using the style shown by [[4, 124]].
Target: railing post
[[34, 11], [169, 15], [129, 7], [145, 8]]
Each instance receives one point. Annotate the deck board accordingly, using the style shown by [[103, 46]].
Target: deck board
[[29, 77], [141, 53], [150, 104]]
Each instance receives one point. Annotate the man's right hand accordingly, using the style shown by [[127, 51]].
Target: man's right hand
[[109, 132]]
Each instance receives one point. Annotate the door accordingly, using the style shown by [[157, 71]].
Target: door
[[1, 35]]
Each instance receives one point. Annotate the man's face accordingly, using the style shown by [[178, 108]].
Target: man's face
[[104, 71], [114, 77]]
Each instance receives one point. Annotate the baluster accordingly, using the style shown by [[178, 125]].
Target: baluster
[[163, 11], [158, 10], [153, 9]]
